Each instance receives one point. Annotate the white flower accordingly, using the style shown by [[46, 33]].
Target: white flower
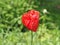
[[45, 11]]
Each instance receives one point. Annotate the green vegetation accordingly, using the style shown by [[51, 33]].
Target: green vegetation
[[11, 26]]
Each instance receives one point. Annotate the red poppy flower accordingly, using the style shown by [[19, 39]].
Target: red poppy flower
[[30, 20]]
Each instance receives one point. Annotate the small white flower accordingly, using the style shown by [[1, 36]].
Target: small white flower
[[45, 11]]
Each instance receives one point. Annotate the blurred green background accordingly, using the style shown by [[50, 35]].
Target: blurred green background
[[12, 31]]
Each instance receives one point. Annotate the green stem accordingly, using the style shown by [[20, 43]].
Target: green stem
[[31, 38]]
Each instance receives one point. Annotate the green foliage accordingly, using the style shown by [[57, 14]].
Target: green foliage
[[10, 22]]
